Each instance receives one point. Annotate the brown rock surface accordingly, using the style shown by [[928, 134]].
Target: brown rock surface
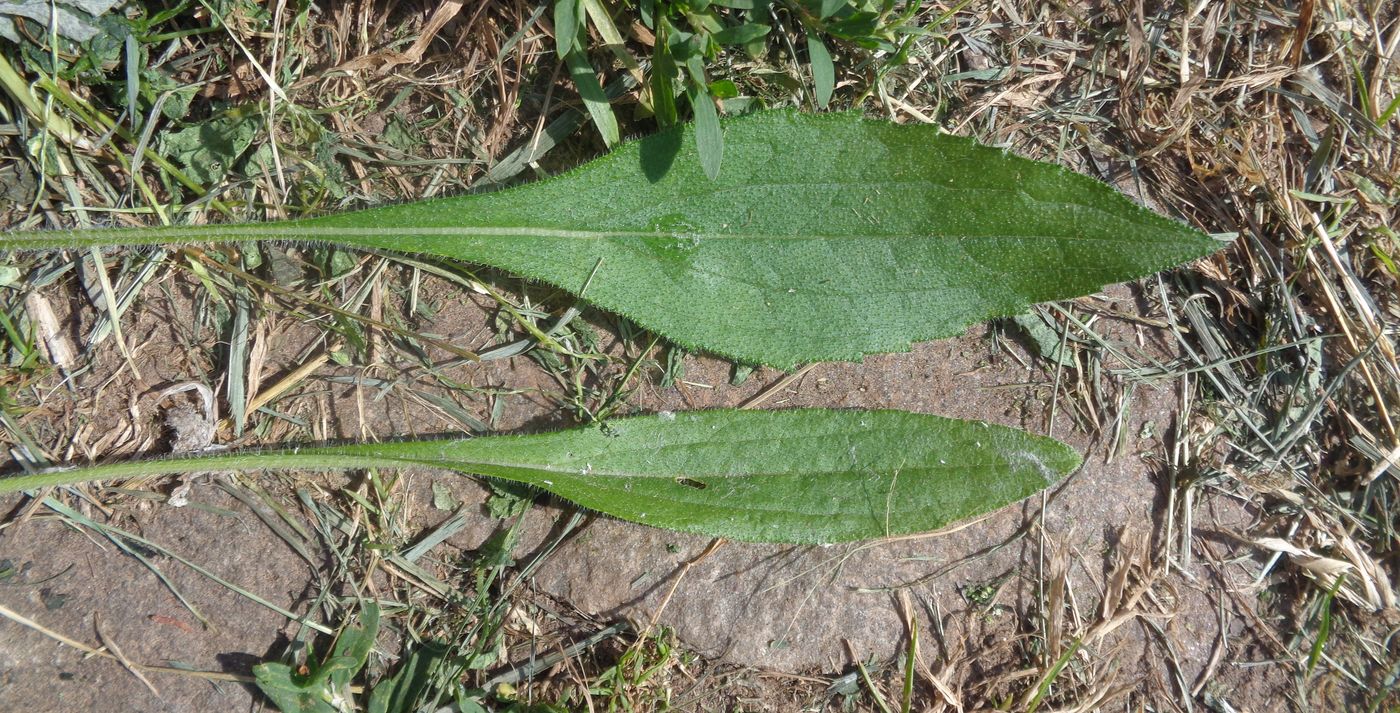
[[800, 609]]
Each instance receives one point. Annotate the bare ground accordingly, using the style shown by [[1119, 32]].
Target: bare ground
[[1153, 632]]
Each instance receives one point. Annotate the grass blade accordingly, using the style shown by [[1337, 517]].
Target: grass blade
[[823, 70], [709, 138], [566, 24], [591, 91]]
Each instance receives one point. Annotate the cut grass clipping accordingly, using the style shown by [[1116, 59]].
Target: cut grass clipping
[[800, 476], [824, 237]]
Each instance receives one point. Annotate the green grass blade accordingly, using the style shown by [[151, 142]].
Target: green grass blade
[[709, 136], [566, 25], [825, 236], [663, 89], [823, 70], [1048, 679], [802, 476], [1324, 626], [594, 98]]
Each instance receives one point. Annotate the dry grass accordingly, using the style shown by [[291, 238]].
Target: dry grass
[[1274, 123]]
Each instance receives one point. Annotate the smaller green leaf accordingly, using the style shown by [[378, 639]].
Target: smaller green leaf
[[800, 476], [290, 694], [398, 692], [724, 89], [683, 45], [208, 150], [566, 25], [663, 88], [73, 17], [1048, 342], [443, 499], [354, 645], [709, 138], [591, 91], [740, 34], [823, 70], [856, 27], [705, 25], [830, 7], [695, 62]]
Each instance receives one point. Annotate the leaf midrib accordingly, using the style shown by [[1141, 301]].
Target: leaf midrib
[[467, 465], [329, 234], [290, 229]]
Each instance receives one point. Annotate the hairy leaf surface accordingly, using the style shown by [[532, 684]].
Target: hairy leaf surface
[[803, 475], [823, 236]]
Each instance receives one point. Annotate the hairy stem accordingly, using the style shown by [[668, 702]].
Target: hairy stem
[[304, 459]]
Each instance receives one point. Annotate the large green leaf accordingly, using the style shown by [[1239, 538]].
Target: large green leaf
[[805, 476], [823, 237]]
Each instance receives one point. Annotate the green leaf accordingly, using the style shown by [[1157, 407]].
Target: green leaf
[[694, 64], [289, 692], [207, 150], [400, 691], [823, 70], [825, 237], [566, 25], [73, 17], [442, 498], [594, 99], [354, 645], [802, 476], [740, 34], [709, 137], [724, 89], [1047, 341], [663, 88]]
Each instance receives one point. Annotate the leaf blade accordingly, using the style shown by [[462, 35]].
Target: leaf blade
[[826, 237], [662, 79], [594, 98], [709, 137], [823, 70], [566, 26], [740, 34], [805, 476]]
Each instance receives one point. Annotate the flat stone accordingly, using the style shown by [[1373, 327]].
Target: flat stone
[[810, 608]]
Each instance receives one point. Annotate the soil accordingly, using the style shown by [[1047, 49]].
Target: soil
[[80, 584], [974, 588]]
